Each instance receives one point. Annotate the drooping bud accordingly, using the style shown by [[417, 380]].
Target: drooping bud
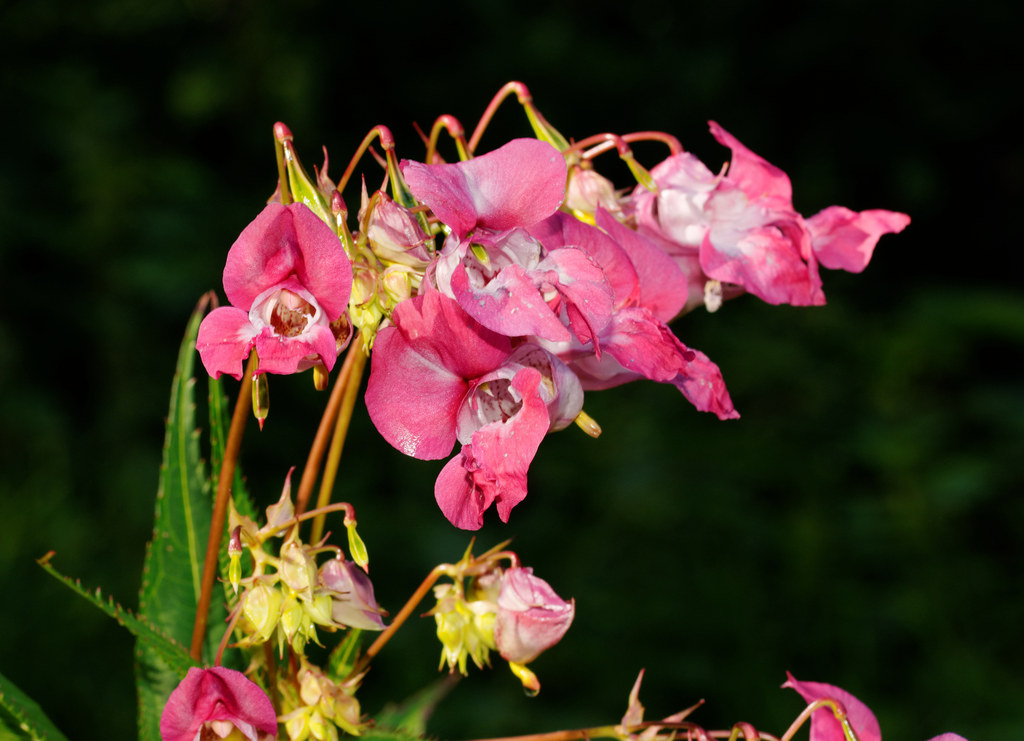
[[531, 616], [261, 397], [587, 191], [320, 377], [235, 558], [352, 600], [297, 570], [356, 546], [531, 685], [588, 424]]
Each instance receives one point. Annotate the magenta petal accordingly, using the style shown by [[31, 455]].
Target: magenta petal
[[225, 338], [948, 737], [206, 695], [757, 177], [418, 372], [845, 240], [493, 467], [283, 241], [518, 184], [702, 384], [824, 726]]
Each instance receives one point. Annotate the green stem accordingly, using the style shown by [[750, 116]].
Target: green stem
[[220, 506], [355, 373]]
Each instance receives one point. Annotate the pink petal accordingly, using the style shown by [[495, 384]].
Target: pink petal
[[563, 230], [518, 184], [418, 373], [845, 240], [225, 338], [509, 304], [283, 241], [279, 354], [531, 616], [757, 177], [824, 726], [764, 250], [662, 284], [492, 469], [216, 694], [585, 293]]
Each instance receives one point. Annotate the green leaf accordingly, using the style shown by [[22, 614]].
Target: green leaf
[[21, 717], [173, 569], [172, 652], [343, 657]]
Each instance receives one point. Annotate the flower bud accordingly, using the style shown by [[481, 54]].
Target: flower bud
[[531, 617], [261, 610], [352, 603], [298, 570]]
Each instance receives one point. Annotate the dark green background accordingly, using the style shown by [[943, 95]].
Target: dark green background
[[861, 524]]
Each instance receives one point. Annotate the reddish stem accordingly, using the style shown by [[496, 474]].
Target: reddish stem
[[220, 506]]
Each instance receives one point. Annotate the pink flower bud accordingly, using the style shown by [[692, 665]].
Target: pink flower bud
[[531, 617], [221, 700], [353, 603]]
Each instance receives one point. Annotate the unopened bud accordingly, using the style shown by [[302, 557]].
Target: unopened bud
[[320, 377], [531, 685], [235, 558], [357, 547], [588, 424], [640, 172], [261, 610], [260, 397]]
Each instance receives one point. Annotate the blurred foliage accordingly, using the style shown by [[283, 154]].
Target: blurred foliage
[[860, 525]]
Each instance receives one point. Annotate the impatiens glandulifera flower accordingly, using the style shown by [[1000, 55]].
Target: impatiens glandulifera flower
[[745, 231], [531, 616], [437, 376], [288, 280], [353, 603], [825, 726], [214, 703]]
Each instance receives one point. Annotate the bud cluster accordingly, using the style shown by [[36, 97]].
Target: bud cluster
[[315, 706], [488, 607], [286, 596]]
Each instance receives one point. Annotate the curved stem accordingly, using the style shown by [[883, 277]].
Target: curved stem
[[522, 93], [387, 142], [400, 618], [348, 402], [316, 450], [837, 711], [454, 128], [220, 506]]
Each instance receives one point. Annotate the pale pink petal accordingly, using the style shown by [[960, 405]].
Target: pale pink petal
[[948, 737], [757, 177], [225, 338], [518, 184], [217, 694], [824, 726], [662, 284], [845, 240], [531, 617], [677, 211], [492, 469]]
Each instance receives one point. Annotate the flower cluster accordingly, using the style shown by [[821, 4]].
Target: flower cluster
[[495, 291], [486, 607]]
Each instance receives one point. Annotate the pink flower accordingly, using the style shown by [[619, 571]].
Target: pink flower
[[437, 376], [217, 701], [825, 727], [531, 618], [352, 603], [745, 232], [288, 280]]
